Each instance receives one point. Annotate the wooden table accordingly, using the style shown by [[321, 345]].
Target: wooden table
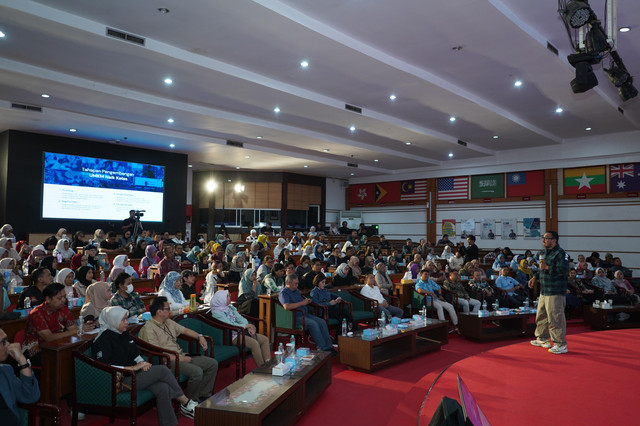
[[370, 355], [262, 399], [508, 326], [231, 287], [603, 319]]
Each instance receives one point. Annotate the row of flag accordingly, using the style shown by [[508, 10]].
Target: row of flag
[[580, 180]]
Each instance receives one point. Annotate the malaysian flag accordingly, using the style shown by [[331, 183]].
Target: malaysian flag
[[456, 188], [413, 190]]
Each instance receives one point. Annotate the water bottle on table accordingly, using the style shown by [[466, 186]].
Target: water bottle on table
[[80, 326], [344, 326]]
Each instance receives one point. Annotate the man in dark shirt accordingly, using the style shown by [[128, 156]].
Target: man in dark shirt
[[188, 286], [40, 279], [407, 247], [110, 245], [290, 298], [129, 223], [383, 244], [444, 241], [344, 229], [307, 279], [267, 229], [472, 251], [334, 258]]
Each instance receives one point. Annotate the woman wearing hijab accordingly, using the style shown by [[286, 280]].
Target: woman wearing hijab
[[51, 264], [294, 245], [66, 277], [192, 256], [257, 343], [14, 277], [7, 231], [369, 265], [97, 298], [122, 261], [115, 346], [150, 258], [446, 253], [354, 265], [282, 243], [84, 278], [499, 263], [229, 252], [37, 254], [7, 244], [318, 252], [605, 286], [138, 251], [217, 252], [98, 237], [170, 288], [393, 266], [236, 268], [63, 249], [78, 260], [382, 279], [343, 276], [625, 287], [248, 292]]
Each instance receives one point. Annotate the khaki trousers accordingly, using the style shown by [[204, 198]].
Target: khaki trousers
[[550, 319]]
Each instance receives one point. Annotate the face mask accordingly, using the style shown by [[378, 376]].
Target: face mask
[[129, 288]]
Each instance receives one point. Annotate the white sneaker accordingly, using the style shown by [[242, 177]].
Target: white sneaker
[[559, 349], [541, 343], [189, 409]]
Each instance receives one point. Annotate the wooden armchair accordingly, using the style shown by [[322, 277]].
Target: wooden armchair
[[286, 323], [361, 307], [96, 387], [32, 414], [223, 349]]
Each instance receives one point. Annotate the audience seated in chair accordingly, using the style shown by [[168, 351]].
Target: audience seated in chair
[[331, 301], [454, 285], [433, 294], [372, 291], [162, 332]]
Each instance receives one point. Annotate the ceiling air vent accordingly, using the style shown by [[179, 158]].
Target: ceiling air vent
[[353, 108], [462, 143], [26, 107], [552, 48], [125, 36], [236, 144], [352, 165]]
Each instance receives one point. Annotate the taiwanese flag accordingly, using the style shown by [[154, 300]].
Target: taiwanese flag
[[585, 180], [624, 177], [525, 184], [387, 192], [362, 194]]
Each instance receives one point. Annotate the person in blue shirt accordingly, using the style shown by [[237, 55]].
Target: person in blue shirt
[[433, 295], [499, 263], [510, 297], [322, 296], [290, 298]]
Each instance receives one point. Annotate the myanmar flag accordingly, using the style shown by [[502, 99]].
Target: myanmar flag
[[584, 180]]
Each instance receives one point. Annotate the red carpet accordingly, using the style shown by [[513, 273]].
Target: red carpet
[[594, 384]]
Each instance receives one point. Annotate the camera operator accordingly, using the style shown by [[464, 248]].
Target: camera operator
[[131, 222]]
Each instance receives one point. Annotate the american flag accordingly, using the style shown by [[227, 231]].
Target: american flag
[[413, 190], [621, 171], [453, 188]]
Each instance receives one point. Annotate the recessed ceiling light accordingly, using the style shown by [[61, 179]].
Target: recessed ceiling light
[[588, 129], [325, 150], [246, 156], [452, 119], [173, 145], [393, 97], [451, 155], [190, 165], [44, 95], [229, 180], [163, 10], [170, 120], [237, 167], [276, 110], [73, 130], [168, 81], [517, 83], [304, 64], [2, 34], [352, 174], [624, 29], [407, 143], [305, 166], [495, 136], [376, 160], [352, 128], [559, 110], [258, 137]]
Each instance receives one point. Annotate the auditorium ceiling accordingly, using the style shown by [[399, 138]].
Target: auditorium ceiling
[[389, 87]]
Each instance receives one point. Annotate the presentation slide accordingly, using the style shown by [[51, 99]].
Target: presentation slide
[[97, 189]]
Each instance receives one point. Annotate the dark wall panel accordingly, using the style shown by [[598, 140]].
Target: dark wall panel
[[23, 196]]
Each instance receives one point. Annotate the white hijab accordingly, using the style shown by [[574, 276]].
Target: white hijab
[[110, 319], [118, 262]]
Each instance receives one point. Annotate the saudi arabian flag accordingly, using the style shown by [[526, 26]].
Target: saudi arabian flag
[[487, 186], [584, 180]]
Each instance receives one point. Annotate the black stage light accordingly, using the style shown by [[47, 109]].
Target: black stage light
[[577, 13], [596, 39], [617, 75], [627, 90], [585, 78]]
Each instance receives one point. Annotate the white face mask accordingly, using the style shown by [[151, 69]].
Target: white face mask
[[130, 288]]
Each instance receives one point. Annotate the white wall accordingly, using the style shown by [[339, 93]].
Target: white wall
[[397, 223], [334, 203]]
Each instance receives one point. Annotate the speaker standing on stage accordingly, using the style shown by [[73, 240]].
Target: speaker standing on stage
[[553, 274]]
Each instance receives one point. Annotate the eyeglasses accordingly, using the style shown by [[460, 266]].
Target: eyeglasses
[[548, 238], [168, 308]]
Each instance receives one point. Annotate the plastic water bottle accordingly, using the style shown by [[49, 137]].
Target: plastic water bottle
[[484, 305], [195, 268], [526, 304], [27, 303], [281, 355], [344, 326], [101, 274], [496, 305], [80, 326], [293, 344], [25, 269]]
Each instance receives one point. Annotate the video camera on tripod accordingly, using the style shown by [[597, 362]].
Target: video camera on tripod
[[138, 214]]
